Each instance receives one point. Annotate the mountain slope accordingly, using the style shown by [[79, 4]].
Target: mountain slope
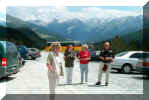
[[95, 31], [135, 36], [18, 36], [39, 30], [86, 24]]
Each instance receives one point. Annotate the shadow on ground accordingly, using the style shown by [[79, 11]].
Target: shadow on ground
[[144, 77], [132, 73], [6, 79]]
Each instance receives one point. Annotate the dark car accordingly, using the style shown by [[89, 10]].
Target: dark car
[[9, 62], [94, 55], [33, 53]]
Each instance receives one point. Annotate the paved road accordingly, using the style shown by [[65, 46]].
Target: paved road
[[2, 89], [32, 79]]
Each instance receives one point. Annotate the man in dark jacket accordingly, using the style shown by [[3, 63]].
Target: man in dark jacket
[[69, 57], [106, 57]]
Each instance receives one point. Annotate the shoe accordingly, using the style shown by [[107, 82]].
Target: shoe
[[98, 83], [106, 84], [81, 83]]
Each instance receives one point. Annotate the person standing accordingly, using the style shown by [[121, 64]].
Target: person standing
[[106, 57], [53, 66], [84, 57], [69, 57]]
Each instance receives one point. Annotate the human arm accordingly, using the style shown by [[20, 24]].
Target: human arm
[[50, 67], [65, 54], [110, 56], [49, 63], [86, 56], [101, 56]]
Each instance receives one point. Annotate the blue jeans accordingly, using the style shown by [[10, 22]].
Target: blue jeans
[[84, 71]]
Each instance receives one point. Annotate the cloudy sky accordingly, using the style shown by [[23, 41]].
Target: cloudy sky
[[75, 2], [62, 10], [6, 3], [65, 13]]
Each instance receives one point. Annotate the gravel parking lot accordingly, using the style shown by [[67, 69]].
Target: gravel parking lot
[[32, 79]]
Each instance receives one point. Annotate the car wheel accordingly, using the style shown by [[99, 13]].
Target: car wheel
[[119, 70], [23, 62], [34, 58], [127, 69]]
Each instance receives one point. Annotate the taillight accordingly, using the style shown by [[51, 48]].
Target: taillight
[[4, 62], [145, 64], [37, 53]]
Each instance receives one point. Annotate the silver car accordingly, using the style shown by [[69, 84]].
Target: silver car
[[143, 65], [127, 62]]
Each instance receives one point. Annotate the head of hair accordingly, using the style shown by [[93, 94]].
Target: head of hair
[[85, 46], [107, 43], [68, 47], [55, 45]]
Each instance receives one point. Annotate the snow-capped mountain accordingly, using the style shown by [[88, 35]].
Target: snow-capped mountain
[[79, 30], [89, 24]]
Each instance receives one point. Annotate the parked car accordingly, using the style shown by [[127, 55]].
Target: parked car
[[126, 62], [9, 63], [143, 65], [23, 51], [33, 53], [94, 55]]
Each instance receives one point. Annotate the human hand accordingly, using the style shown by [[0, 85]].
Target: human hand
[[102, 58], [51, 69], [109, 58]]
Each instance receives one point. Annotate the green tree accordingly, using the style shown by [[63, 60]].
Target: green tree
[[101, 45], [118, 44], [132, 45]]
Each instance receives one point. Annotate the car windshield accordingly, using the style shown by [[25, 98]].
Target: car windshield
[[121, 54]]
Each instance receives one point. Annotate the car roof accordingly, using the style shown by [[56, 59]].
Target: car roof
[[32, 48], [138, 51], [132, 52]]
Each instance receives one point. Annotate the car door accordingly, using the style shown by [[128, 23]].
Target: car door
[[120, 59], [135, 58], [12, 56]]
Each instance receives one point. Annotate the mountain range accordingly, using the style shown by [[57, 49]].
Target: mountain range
[[41, 31], [91, 24], [24, 33], [76, 29], [93, 30]]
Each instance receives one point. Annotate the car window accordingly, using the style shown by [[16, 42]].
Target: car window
[[34, 50], [1, 51], [11, 47], [121, 54], [145, 55], [137, 55]]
